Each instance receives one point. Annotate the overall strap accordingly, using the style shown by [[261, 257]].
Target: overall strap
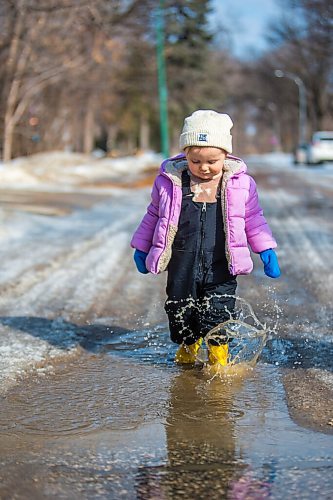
[[186, 183]]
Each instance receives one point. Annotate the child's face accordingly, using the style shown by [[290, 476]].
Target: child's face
[[205, 162]]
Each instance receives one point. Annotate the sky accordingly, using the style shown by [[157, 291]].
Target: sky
[[246, 21]]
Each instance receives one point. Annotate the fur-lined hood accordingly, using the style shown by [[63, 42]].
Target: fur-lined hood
[[173, 168]]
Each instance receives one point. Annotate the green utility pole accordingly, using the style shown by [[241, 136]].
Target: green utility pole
[[162, 86]]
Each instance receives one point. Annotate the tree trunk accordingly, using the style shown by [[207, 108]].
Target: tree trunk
[[89, 126], [8, 141], [130, 145], [144, 133], [318, 111], [112, 135]]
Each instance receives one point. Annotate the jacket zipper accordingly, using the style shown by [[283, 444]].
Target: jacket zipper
[[202, 235]]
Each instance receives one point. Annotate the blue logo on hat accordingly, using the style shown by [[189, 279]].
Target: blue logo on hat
[[202, 137]]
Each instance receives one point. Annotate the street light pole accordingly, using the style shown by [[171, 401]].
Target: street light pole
[[162, 86], [301, 101]]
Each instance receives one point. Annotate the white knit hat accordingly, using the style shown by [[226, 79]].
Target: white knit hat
[[207, 128]]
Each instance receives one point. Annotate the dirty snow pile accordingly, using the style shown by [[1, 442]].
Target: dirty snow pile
[[64, 170], [284, 160], [21, 352]]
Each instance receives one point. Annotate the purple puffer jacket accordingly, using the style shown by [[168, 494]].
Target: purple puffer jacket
[[244, 223]]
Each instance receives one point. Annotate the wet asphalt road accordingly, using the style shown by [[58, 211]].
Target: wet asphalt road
[[97, 409]]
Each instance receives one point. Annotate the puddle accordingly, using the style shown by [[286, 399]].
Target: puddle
[[82, 396], [125, 422]]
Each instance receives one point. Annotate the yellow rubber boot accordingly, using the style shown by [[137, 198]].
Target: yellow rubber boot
[[187, 354], [218, 354]]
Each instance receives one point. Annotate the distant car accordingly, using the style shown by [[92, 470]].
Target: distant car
[[301, 154], [321, 148]]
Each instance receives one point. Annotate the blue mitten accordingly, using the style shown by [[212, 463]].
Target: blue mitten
[[140, 261], [271, 265]]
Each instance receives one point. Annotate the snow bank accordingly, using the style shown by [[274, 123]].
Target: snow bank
[[21, 353], [62, 170], [285, 161], [273, 159]]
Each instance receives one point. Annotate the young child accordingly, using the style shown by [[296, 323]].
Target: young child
[[204, 212]]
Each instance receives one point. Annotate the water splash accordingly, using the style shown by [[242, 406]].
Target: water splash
[[246, 336], [244, 332]]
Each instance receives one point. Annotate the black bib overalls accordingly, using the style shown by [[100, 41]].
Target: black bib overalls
[[198, 274]]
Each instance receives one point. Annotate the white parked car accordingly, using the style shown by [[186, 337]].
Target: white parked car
[[321, 148]]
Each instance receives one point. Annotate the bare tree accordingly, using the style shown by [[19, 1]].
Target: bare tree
[[49, 43], [39, 54], [303, 38], [77, 72]]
